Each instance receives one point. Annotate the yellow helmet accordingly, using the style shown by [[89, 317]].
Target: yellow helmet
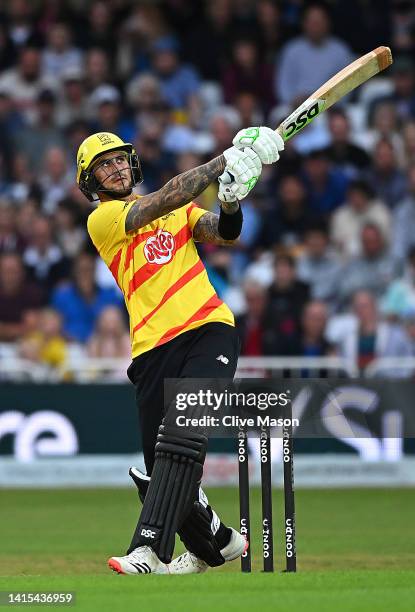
[[94, 146]]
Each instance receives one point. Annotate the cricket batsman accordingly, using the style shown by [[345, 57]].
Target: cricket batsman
[[179, 328]]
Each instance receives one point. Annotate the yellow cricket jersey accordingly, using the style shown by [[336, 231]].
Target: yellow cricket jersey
[[157, 267]]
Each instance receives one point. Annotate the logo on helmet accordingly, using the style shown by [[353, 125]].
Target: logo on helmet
[[159, 249], [105, 138]]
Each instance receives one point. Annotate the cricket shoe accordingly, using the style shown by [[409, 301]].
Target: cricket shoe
[[143, 560], [188, 563]]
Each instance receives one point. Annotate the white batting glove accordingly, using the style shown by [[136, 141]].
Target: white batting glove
[[228, 188], [242, 171], [265, 142]]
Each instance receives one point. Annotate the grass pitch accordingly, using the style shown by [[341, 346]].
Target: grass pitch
[[356, 551]]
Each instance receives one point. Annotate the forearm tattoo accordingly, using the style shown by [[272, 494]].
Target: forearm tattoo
[[179, 191], [206, 230]]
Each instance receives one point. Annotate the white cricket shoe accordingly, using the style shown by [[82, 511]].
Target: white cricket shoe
[[143, 560], [188, 563]]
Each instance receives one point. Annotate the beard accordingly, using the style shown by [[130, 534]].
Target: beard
[[123, 188]]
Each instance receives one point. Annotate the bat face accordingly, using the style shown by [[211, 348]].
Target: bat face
[[334, 89], [301, 117]]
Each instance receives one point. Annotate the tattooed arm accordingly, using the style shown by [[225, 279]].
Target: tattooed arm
[[179, 191], [207, 228]]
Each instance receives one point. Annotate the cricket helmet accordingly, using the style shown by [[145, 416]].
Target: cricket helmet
[[90, 150]]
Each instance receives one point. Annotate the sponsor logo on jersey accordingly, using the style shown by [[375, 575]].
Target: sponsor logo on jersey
[[159, 249]]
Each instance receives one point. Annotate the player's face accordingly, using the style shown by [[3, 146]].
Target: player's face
[[113, 172]]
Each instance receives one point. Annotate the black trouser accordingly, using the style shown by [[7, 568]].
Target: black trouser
[[193, 354], [190, 355]]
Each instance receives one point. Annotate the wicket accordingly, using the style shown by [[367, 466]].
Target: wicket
[[266, 490]]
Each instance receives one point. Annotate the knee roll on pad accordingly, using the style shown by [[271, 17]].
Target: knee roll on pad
[[177, 472]]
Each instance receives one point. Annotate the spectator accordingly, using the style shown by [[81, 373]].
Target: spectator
[[46, 345], [10, 122], [327, 55], [313, 342], [399, 298], [207, 44], [373, 270], [179, 83], [409, 143], [81, 301], [287, 297], [250, 325], [73, 103], [25, 82], [7, 49], [385, 177], [344, 154], [70, 236], [43, 258], [224, 123], [157, 165], [247, 72], [20, 16], [409, 327], [248, 107], [97, 69], [384, 126], [25, 218], [144, 95], [99, 30], [10, 240], [403, 237], [16, 296], [110, 338], [273, 30], [23, 186], [106, 102], [319, 266], [144, 24], [403, 94], [34, 140], [364, 337], [326, 186], [55, 179], [360, 208], [59, 55], [286, 223], [240, 255]]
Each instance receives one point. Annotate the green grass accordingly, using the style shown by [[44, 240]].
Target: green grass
[[356, 551]]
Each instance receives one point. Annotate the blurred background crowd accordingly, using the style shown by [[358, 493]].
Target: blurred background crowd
[[326, 260]]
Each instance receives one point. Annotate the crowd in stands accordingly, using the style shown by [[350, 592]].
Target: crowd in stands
[[326, 260]]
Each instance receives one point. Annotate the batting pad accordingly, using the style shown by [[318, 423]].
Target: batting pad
[[173, 488]]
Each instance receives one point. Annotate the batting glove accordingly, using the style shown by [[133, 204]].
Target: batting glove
[[242, 171], [265, 142]]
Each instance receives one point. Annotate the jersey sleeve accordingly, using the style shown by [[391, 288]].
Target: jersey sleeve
[[194, 213], [106, 226]]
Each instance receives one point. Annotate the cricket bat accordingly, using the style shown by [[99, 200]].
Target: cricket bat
[[350, 77], [342, 83]]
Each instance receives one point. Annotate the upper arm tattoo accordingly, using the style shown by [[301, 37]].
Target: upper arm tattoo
[[179, 191], [206, 230]]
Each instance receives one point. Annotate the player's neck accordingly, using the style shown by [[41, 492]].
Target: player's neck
[[106, 197]]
